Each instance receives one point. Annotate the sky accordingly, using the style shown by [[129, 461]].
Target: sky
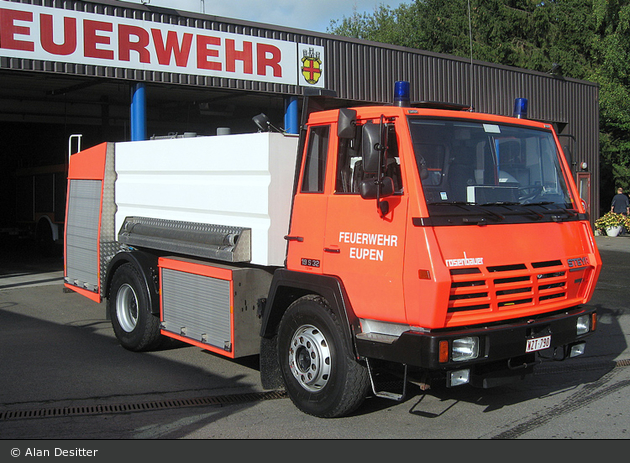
[[313, 15]]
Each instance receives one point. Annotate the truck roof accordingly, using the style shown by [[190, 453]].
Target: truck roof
[[391, 111]]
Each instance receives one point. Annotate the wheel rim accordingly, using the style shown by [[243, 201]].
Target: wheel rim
[[127, 308], [310, 358]]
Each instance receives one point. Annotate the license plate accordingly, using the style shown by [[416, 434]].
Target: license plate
[[538, 344]]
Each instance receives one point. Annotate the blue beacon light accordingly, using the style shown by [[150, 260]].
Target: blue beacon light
[[520, 108], [401, 93]]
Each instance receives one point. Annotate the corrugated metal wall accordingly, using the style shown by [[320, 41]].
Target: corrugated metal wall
[[366, 71]]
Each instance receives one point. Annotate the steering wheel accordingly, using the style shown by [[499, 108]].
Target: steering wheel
[[530, 192]]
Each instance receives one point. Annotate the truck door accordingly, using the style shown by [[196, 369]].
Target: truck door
[[362, 247], [306, 235]]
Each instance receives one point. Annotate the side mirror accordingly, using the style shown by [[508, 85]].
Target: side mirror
[[346, 124], [372, 147], [262, 122], [369, 188]]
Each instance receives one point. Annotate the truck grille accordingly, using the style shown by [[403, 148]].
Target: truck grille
[[506, 287]]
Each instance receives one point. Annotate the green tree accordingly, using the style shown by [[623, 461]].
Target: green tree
[[612, 72], [533, 34]]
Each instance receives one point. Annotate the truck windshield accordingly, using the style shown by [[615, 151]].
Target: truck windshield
[[504, 170]]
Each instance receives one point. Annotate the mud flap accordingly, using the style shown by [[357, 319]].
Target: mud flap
[[270, 375]]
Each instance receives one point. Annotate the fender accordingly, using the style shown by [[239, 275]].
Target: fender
[[54, 228], [287, 286], [147, 264]]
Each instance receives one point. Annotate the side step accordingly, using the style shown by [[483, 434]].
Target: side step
[[386, 394]]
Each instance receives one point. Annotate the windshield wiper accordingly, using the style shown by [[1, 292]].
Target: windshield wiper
[[557, 214], [498, 203]]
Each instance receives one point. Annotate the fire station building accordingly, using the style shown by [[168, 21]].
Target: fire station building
[[77, 73]]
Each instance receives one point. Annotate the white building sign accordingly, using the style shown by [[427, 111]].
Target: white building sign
[[53, 34]]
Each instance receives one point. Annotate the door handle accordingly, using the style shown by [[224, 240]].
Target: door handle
[[332, 250]]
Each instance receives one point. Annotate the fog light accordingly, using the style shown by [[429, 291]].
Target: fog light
[[583, 324], [577, 349], [458, 377], [465, 349]]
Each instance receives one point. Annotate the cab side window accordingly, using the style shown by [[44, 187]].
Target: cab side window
[[350, 166], [315, 164], [348, 155]]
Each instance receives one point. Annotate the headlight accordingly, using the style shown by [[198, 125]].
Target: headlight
[[583, 324], [465, 349]]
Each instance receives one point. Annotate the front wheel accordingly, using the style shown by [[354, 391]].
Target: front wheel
[[321, 375], [136, 328]]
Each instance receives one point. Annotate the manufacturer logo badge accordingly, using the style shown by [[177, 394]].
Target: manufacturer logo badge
[[578, 262], [466, 261]]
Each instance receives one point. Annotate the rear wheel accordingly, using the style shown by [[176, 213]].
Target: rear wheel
[[44, 238], [136, 328], [321, 375]]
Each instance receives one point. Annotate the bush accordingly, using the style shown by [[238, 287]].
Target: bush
[[611, 219]]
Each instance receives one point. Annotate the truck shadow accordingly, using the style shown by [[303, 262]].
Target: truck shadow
[[550, 380], [80, 364]]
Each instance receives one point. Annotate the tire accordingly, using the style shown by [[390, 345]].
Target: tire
[[136, 328], [44, 239], [320, 374]]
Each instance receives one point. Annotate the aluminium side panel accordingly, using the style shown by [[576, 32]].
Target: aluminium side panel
[[89, 219], [213, 306], [82, 259]]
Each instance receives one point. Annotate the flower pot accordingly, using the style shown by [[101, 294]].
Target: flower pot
[[613, 231]]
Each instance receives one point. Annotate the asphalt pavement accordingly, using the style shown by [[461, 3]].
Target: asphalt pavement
[[57, 350]]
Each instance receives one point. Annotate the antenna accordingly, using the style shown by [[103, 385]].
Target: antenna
[[472, 79]]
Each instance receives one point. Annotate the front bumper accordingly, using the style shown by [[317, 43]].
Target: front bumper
[[502, 346]]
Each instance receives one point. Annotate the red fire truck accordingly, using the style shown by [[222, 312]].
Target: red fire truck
[[434, 243]]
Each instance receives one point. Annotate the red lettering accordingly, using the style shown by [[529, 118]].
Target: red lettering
[[231, 55], [91, 39], [8, 30], [165, 51], [69, 44], [125, 44], [268, 55], [203, 53]]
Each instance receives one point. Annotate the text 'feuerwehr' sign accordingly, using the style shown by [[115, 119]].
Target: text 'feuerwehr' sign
[[52, 34]]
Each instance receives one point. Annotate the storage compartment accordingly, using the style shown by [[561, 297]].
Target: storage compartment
[[215, 307]]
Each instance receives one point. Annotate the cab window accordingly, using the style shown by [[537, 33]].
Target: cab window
[[350, 166], [315, 163]]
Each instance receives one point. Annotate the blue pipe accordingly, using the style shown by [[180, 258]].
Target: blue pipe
[[291, 120], [139, 112]]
